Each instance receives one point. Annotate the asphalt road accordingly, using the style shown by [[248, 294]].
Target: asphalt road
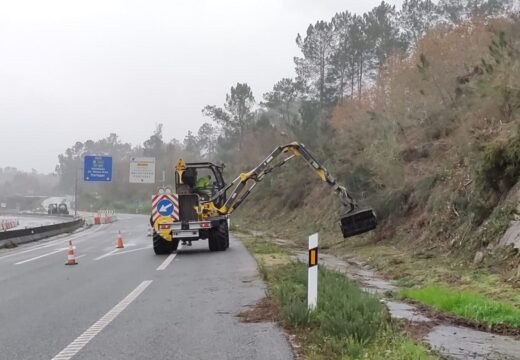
[[129, 303]]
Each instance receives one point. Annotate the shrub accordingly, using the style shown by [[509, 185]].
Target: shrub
[[500, 166]]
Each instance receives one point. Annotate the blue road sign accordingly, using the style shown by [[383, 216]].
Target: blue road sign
[[165, 207], [97, 168]]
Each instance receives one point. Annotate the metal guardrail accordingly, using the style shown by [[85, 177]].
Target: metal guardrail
[[36, 233]]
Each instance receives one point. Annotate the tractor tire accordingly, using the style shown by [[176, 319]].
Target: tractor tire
[[219, 237], [175, 244], [163, 247]]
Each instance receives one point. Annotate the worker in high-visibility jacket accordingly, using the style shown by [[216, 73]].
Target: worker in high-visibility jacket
[[203, 186]]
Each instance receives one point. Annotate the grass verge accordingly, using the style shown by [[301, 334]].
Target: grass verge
[[347, 323], [465, 304]]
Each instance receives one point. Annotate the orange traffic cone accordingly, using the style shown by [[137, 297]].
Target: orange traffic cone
[[119, 240], [71, 259]]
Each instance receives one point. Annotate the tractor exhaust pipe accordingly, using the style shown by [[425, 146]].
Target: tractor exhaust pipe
[[358, 222]]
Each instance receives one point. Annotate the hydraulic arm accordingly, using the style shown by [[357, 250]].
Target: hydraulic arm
[[353, 220]]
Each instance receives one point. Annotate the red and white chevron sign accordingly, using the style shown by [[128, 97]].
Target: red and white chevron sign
[[173, 198]]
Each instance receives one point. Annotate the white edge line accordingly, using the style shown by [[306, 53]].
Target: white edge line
[[74, 347], [168, 260]]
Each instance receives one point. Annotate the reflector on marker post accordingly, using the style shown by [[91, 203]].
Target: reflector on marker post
[[312, 280]]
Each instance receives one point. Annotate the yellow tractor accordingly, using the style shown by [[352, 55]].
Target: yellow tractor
[[201, 206]]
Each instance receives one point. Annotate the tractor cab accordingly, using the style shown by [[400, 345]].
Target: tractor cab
[[201, 182]]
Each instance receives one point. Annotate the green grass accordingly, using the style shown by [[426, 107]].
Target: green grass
[[347, 323], [343, 311], [465, 304]]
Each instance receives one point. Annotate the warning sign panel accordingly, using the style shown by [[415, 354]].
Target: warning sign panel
[[142, 170]]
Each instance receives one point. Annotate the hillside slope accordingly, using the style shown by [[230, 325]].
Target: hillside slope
[[433, 146]]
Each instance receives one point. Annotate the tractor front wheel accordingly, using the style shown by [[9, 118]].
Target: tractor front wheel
[[219, 237], [162, 247]]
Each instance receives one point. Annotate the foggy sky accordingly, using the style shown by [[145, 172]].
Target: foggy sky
[[77, 70]]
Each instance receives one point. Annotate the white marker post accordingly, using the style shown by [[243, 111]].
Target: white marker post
[[312, 282]]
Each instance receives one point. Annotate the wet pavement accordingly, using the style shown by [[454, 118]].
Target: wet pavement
[[465, 343]]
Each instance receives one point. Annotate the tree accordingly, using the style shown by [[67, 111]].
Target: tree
[[312, 69], [416, 17], [191, 144], [207, 137], [154, 145], [282, 97], [362, 49], [456, 11], [237, 113], [382, 32], [343, 59]]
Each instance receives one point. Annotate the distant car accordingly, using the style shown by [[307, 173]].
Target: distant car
[[52, 209], [55, 209], [62, 209]]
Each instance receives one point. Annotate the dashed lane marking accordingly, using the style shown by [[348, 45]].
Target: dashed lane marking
[[168, 260], [105, 255], [79, 343], [120, 252], [133, 250]]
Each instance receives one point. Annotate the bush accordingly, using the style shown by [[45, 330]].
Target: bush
[[394, 203], [500, 167], [360, 179]]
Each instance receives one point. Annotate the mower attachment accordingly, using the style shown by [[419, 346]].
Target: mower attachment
[[358, 222]]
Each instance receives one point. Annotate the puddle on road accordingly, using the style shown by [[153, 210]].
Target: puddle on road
[[452, 341]]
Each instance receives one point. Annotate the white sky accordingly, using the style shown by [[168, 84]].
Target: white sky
[[77, 70]]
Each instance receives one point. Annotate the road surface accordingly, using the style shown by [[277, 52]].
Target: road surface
[[129, 303]]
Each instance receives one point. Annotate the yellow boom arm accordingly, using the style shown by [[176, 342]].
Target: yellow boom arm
[[245, 182]]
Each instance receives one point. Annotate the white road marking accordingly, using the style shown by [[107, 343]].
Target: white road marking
[[41, 256], [74, 347], [105, 255], [119, 252], [133, 250], [168, 260]]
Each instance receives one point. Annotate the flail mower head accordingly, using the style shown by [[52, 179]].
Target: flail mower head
[[358, 222]]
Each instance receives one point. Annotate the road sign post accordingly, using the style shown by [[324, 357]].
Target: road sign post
[[97, 168], [312, 280]]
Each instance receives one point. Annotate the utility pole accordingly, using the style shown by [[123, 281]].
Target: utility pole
[[76, 191]]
